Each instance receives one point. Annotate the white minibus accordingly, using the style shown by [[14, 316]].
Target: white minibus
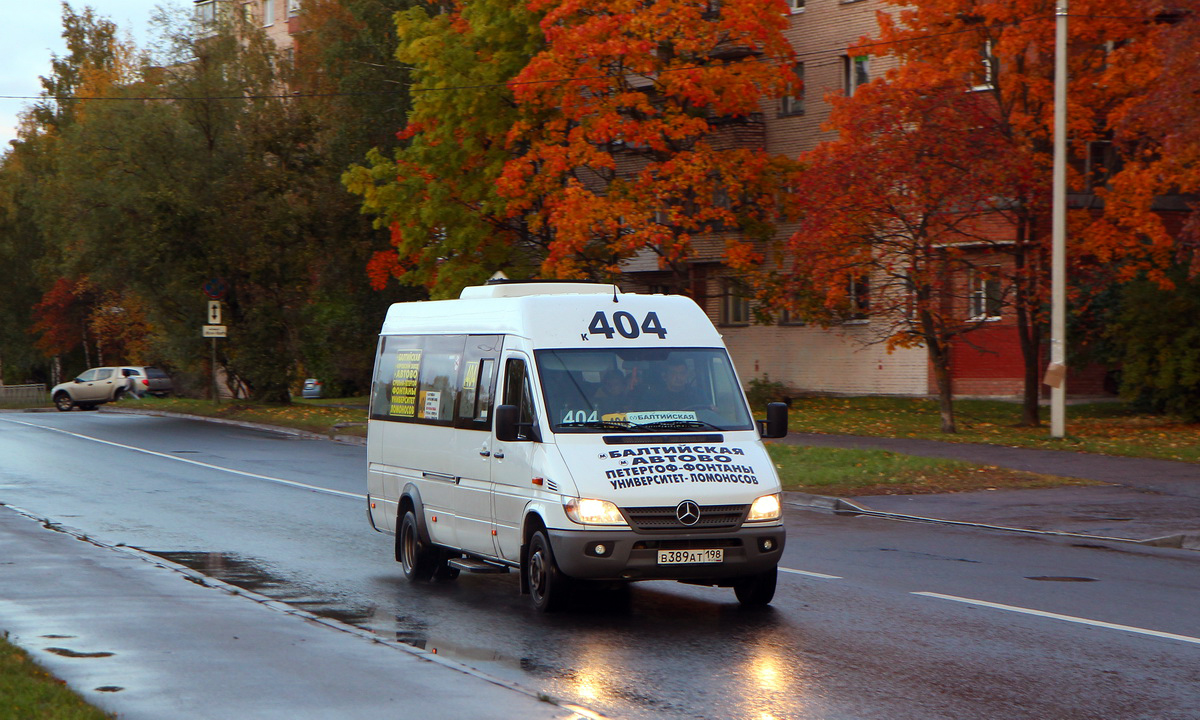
[[574, 433]]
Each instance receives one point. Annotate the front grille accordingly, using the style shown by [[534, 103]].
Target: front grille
[[663, 519]]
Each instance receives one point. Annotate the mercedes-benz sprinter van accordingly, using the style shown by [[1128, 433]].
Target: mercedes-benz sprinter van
[[574, 433]]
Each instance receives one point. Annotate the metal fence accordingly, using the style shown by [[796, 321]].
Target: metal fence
[[23, 394]]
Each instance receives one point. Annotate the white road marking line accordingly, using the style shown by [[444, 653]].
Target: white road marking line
[[197, 463], [806, 573], [1066, 618]]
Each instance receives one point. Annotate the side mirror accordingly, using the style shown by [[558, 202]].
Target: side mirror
[[78, 380], [776, 425], [506, 422]]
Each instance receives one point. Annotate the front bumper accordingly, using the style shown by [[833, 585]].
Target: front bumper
[[634, 556]]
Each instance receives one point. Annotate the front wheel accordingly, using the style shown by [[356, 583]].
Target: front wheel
[[417, 559], [547, 585], [63, 402], [756, 590]]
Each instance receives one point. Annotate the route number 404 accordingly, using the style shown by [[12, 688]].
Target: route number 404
[[626, 325]]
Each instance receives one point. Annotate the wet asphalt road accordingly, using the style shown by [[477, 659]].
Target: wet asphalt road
[[875, 619]]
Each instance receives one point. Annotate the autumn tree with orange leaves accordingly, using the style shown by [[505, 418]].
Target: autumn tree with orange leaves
[[895, 212], [628, 138], [995, 57]]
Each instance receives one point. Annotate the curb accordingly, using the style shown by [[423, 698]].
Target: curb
[[841, 506]]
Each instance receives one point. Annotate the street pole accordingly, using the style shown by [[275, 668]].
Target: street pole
[[216, 385], [1057, 373]]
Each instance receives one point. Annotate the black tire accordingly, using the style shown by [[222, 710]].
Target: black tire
[[418, 559], [63, 402], [756, 591], [548, 587]]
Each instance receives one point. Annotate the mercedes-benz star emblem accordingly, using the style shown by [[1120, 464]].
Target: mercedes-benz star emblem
[[688, 512]]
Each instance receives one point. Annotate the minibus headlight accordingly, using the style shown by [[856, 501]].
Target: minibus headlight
[[765, 508], [587, 511]]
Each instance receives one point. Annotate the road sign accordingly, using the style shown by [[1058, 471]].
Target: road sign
[[214, 331], [214, 312], [215, 288]]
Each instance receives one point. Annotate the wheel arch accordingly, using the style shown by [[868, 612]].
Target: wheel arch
[[532, 522], [410, 499]]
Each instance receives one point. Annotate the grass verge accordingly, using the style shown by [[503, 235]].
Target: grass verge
[[1108, 428], [27, 692], [842, 472], [325, 417]]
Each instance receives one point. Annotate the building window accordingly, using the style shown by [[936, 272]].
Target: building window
[[293, 7], [856, 71], [987, 296], [787, 317], [793, 104], [858, 298], [985, 76], [268, 13], [206, 12], [797, 6], [735, 304]]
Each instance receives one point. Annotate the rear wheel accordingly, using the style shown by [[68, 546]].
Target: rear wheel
[[417, 559], [547, 585], [756, 590], [63, 402]]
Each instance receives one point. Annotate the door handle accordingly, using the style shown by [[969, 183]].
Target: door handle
[[499, 454], [484, 452]]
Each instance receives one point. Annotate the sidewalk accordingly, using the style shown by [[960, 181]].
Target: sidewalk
[[144, 642], [1151, 501]]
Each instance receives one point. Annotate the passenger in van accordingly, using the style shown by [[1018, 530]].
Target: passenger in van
[[613, 393]]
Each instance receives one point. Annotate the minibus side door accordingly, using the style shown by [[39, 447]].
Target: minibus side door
[[472, 450], [512, 462]]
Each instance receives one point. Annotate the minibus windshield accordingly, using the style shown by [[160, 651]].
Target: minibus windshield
[[641, 389]]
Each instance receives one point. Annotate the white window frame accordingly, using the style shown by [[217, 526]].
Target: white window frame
[[858, 298], [987, 58], [852, 67], [293, 8], [986, 297], [735, 305], [268, 13], [796, 6]]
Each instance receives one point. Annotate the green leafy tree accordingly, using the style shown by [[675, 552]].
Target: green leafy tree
[[437, 194]]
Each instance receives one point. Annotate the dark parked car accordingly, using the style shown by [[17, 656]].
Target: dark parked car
[[152, 380]]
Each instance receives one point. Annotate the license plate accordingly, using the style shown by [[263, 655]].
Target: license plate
[[686, 557]]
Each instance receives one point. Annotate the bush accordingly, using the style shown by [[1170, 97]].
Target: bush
[[1160, 347], [761, 391]]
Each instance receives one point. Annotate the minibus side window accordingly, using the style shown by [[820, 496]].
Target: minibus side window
[[416, 378], [478, 387], [517, 392], [394, 392]]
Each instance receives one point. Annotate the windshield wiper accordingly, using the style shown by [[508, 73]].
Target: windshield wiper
[[599, 424], [677, 425]]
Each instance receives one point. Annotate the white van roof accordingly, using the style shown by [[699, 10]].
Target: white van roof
[[560, 315]]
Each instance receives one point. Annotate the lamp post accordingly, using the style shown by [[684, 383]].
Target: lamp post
[[1056, 375]]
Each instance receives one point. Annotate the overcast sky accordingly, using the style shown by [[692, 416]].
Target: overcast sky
[[31, 31]]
